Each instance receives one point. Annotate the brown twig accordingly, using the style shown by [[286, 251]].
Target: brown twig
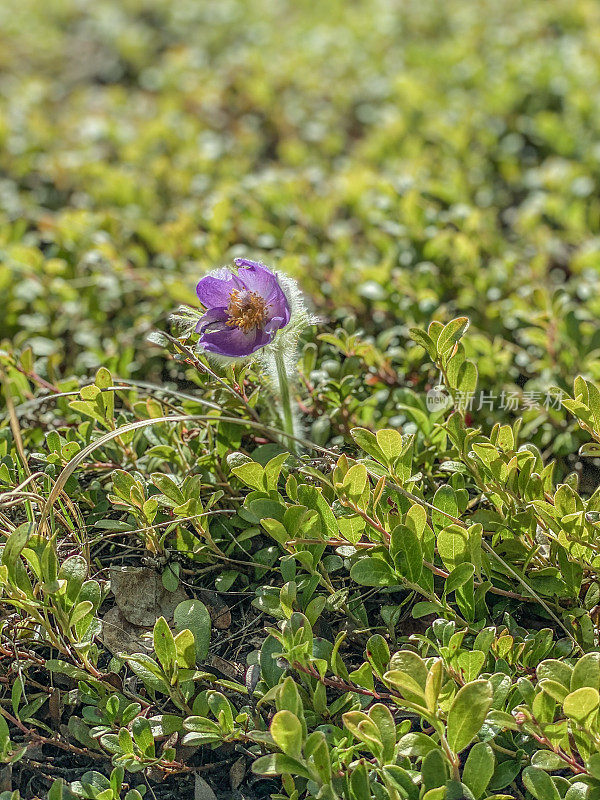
[[436, 570], [343, 686]]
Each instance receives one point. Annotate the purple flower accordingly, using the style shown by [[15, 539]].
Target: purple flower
[[244, 310]]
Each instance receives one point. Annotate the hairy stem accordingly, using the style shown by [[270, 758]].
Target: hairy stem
[[285, 399]]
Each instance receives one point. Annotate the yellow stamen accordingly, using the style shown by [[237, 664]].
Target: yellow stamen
[[247, 310]]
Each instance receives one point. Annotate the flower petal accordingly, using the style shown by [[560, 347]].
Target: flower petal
[[214, 317], [258, 278], [279, 308], [233, 342], [275, 323], [214, 291], [247, 262]]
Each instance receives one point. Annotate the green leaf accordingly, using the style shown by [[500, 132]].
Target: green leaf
[[416, 745], [406, 685], [434, 771], [433, 684], [165, 724], [548, 761], [273, 470], [424, 609], [142, 734], [66, 668], [466, 381], [479, 768], [554, 689], [201, 731], [555, 670], [148, 671], [193, 615], [390, 443], [367, 442], [14, 546], [540, 784], [373, 572], [278, 764], [89, 392], [470, 664], [453, 546], [74, 571], [586, 672], [222, 709], [168, 487], [593, 765], [4, 736], [351, 528], [420, 337], [455, 790], [578, 705], [89, 409], [275, 529], [467, 713], [359, 782], [445, 500], [103, 378], [362, 727], [69, 450], [164, 645], [400, 779], [355, 481], [80, 731], [451, 334], [504, 774], [313, 499], [286, 731], [406, 551], [125, 740], [270, 669], [80, 611], [378, 652], [252, 474], [411, 663], [382, 717], [133, 794], [317, 755], [185, 648], [458, 577], [577, 791]]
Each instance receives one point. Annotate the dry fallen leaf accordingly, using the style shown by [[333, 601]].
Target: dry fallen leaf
[[140, 600], [229, 668], [141, 596], [237, 772], [218, 609], [120, 636], [202, 790]]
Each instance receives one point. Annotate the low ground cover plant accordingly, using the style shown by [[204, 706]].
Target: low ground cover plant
[[461, 536], [322, 524]]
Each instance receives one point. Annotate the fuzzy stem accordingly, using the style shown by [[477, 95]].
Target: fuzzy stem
[[285, 398]]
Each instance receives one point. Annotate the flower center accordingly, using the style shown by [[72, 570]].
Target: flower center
[[247, 310]]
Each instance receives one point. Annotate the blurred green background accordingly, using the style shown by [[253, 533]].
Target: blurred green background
[[405, 160]]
